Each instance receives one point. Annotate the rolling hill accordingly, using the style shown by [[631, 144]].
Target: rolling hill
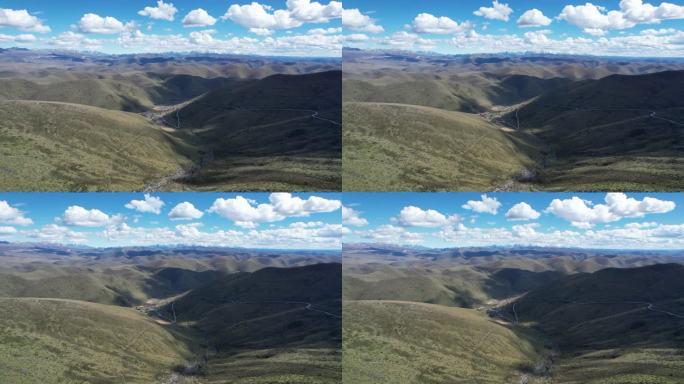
[[579, 123], [224, 122], [268, 133], [400, 147], [139, 320], [408, 342], [51, 146]]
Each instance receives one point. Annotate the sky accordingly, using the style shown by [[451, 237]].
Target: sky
[[582, 220], [249, 220], [609, 28], [280, 27]]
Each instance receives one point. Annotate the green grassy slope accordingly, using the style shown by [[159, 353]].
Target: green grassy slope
[[403, 147], [612, 133], [263, 136], [404, 342], [58, 146], [65, 341]]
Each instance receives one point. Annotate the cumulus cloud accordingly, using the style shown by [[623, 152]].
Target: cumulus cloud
[[185, 211], [485, 205], [412, 216], [150, 204], [198, 18], [533, 18], [427, 23], [163, 11], [522, 211], [248, 214], [21, 20], [12, 215], [357, 21], [406, 40], [260, 18], [72, 40], [324, 31], [21, 38], [93, 23], [350, 216], [597, 20], [498, 11], [53, 233], [4, 230], [583, 214], [78, 216], [392, 234]]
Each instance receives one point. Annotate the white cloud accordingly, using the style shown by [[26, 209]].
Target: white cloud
[[54, 233], [78, 216], [7, 230], [640, 12], [533, 18], [92, 23], [498, 11], [21, 38], [163, 11], [350, 216], [260, 17], [522, 211], [406, 40], [485, 205], [355, 38], [185, 211], [427, 23], [246, 213], [72, 40], [582, 214], [391, 234], [412, 216], [324, 31], [198, 18], [151, 204], [357, 21], [12, 215], [21, 20]]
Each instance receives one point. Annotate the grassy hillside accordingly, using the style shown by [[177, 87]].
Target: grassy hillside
[[265, 134], [271, 326], [404, 342], [616, 133], [403, 147], [64, 341], [613, 326], [57, 146]]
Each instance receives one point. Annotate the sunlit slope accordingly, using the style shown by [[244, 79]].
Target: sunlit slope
[[404, 342], [58, 146], [64, 341], [403, 147], [616, 133]]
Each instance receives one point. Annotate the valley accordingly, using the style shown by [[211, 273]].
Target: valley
[[175, 122], [512, 315], [510, 123], [169, 315]]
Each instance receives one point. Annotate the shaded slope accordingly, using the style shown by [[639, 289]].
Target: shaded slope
[[58, 146], [48, 341], [403, 342], [403, 147], [619, 132], [279, 132]]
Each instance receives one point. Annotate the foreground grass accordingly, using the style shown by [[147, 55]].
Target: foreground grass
[[47, 146], [67, 341], [406, 342], [404, 147]]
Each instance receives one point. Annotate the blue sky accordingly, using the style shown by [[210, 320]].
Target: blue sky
[[613, 27], [594, 220], [288, 28], [255, 220]]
